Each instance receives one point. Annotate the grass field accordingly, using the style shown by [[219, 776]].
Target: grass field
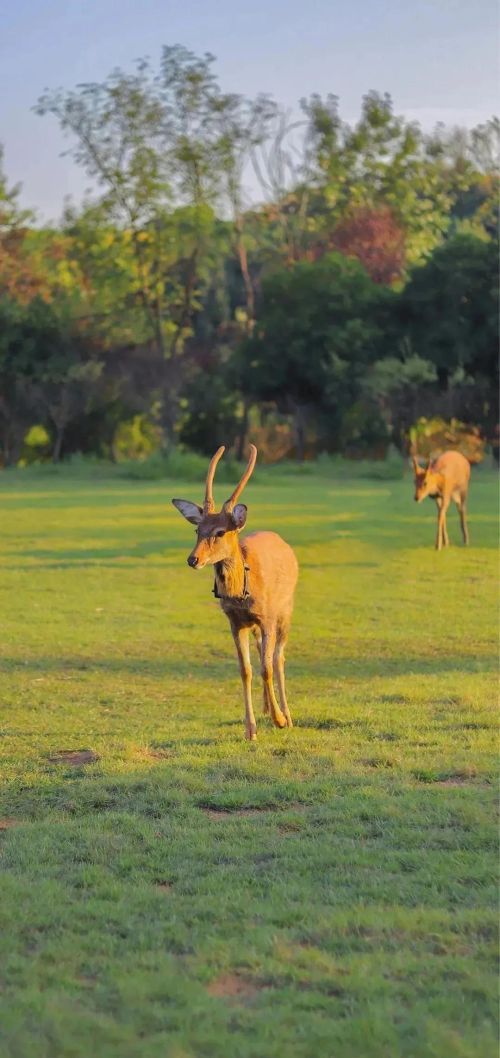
[[328, 891]]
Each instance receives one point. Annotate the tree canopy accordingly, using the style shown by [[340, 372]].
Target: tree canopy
[[169, 298]]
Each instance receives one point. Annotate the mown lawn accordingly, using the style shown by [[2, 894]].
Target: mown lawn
[[328, 892]]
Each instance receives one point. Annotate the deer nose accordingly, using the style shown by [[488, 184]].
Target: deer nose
[[193, 561]]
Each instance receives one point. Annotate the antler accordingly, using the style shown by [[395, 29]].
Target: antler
[[209, 505], [230, 503]]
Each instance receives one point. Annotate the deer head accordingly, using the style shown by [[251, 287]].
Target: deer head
[[426, 481], [216, 532]]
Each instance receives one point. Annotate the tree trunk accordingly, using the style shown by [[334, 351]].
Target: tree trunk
[[442, 375], [12, 444], [173, 372], [299, 429], [243, 430], [247, 279], [169, 411], [56, 451]]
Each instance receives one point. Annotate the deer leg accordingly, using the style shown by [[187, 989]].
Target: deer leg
[[242, 641], [279, 672], [462, 510], [258, 640], [268, 642], [442, 535], [446, 539]]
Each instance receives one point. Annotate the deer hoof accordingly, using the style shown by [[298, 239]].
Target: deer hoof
[[279, 720], [251, 734]]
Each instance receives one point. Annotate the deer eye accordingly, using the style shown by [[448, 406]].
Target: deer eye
[[220, 532]]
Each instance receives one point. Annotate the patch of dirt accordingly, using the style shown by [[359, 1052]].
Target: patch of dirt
[[7, 824], [198, 741], [454, 780], [450, 700], [74, 757], [376, 762], [232, 813], [159, 754], [233, 987], [164, 887], [385, 736], [473, 725], [249, 813], [459, 779], [325, 724], [162, 749], [291, 826]]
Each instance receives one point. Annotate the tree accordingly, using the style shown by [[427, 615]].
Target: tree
[[450, 308], [166, 149], [48, 374], [380, 162], [315, 336], [375, 239], [24, 272], [149, 141], [400, 388], [469, 166]]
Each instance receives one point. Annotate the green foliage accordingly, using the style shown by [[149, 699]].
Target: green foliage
[[380, 161], [341, 876], [316, 335], [37, 446], [177, 465], [430, 437], [135, 439], [167, 297], [450, 307]]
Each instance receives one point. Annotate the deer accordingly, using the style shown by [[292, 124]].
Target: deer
[[255, 580], [444, 479]]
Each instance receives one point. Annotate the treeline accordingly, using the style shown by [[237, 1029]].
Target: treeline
[[359, 296]]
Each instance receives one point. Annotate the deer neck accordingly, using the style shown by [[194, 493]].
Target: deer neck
[[440, 484], [230, 576]]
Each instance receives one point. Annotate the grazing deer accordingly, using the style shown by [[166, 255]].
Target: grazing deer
[[255, 582], [445, 479]]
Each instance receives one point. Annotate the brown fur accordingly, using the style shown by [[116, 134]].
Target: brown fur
[[255, 581], [445, 479]]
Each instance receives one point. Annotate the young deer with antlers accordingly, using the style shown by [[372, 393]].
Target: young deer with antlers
[[255, 582], [445, 479]]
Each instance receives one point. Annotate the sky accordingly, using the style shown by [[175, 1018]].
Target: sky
[[437, 58]]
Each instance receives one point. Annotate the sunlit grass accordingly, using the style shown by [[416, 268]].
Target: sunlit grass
[[327, 891]]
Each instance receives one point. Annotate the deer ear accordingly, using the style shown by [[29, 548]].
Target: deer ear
[[239, 515], [191, 511]]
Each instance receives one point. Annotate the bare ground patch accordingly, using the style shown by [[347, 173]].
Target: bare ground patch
[[7, 823], [234, 987], [459, 778], [74, 757], [218, 814], [376, 762], [247, 812]]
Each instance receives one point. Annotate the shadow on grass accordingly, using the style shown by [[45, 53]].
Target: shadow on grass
[[333, 667], [171, 545], [181, 782], [77, 556]]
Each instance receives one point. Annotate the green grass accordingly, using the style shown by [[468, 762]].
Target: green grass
[[327, 891]]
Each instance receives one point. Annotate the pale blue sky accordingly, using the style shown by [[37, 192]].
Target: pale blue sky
[[437, 58]]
